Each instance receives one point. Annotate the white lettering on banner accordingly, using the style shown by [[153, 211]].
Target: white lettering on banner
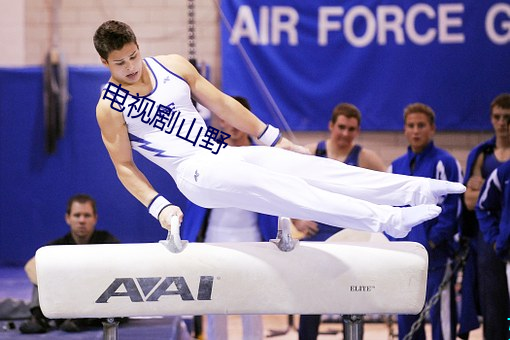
[[274, 21], [387, 24], [490, 22], [284, 19], [414, 36], [391, 18], [448, 20], [383, 24], [244, 27], [371, 27], [325, 25]]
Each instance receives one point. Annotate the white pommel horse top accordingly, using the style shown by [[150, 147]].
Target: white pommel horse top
[[352, 273], [339, 276]]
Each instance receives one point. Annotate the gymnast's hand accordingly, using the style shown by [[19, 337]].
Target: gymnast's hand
[[166, 215], [308, 228], [286, 144], [475, 183]]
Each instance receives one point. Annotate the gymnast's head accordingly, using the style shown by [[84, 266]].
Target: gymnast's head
[[346, 110], [81, 217], [237, 137], [344, 125], [116, 44], [113, 35], [500, 114]]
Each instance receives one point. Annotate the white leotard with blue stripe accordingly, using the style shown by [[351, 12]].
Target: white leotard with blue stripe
[[156, 135]]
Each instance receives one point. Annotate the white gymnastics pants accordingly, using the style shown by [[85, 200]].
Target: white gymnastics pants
[[278, 182]]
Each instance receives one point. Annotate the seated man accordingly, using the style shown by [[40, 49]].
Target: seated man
[[81, 216]]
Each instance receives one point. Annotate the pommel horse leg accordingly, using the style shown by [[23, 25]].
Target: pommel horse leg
[[110, 329], [353, 327]]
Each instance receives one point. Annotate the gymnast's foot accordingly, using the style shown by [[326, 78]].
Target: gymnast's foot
[[437, 191], [442, 188], [412, 216]]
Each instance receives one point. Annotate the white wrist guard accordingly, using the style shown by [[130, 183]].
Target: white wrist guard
[[157, 205], [270, 136]]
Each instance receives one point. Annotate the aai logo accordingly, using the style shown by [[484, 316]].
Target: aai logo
[[152, 288]]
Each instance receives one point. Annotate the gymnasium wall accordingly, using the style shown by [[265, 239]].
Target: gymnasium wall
[[35, 185], [161, 27]]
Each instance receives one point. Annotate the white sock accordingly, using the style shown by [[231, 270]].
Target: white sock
[[412, 216], [442, 188], [434, 191]]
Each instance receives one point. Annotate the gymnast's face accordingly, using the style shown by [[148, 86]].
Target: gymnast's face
[[82, 221], [419, 131], [344, 130], [237, 137], [500, 118], [125, 64]]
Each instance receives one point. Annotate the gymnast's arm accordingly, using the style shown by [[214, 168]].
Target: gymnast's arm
[[488, 209], [474, 184], [226, 107], [368, 159], [115, 138]]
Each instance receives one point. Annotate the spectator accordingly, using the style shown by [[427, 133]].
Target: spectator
[[81, 217], [484, 277], [424, 159], [344, 128]]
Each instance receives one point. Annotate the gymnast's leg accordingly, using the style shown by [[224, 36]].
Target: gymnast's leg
[[215, 182], [331, 175], [217, 327], [252, 327]]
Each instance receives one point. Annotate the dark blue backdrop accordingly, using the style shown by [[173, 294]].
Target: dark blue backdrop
[[306, 79], [35, 186], [458, 70]]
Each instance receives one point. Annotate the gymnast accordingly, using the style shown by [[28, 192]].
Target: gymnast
[[147, 106]]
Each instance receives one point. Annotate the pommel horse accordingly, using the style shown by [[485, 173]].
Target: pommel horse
[[173, 277]]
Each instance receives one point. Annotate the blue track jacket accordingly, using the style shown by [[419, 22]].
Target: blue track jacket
[[469, 223], [435, 163], [493, 210]]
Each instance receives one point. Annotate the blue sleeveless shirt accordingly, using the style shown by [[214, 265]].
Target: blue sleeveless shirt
[[325, 230]]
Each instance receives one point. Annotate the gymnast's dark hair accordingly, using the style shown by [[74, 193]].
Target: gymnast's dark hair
[[420, 108], [244, 102], [348, 110], [503, 101], [112, 35], [81, 198]]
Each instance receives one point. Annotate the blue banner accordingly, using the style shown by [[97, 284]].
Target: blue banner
[[35, 185], [295, 60]]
